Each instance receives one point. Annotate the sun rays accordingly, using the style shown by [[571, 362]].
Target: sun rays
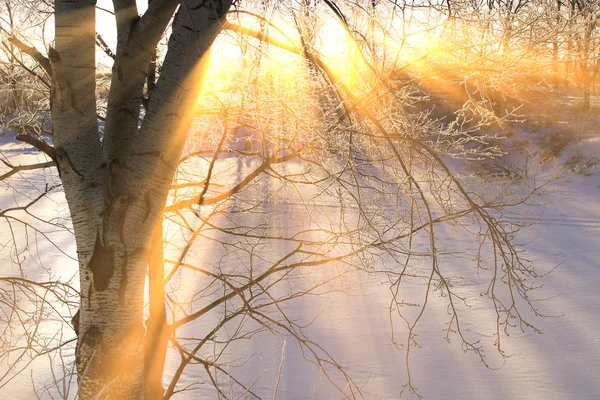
[[326, 147]]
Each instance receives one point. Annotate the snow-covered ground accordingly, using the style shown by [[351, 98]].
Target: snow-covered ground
[[561, 363]]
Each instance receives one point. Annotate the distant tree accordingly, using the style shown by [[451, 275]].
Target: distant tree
[[585, 45]]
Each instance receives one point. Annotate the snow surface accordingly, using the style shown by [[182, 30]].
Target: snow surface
[[561, 363]]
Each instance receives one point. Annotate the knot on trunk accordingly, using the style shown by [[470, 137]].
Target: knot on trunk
[[102, 264]]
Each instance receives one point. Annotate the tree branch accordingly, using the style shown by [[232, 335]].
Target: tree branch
[[33, 53], [147, 30], [102, 44], [26, 68], [19, 168], [38, 144]]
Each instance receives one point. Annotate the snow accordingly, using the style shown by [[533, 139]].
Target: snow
[[354, 325]]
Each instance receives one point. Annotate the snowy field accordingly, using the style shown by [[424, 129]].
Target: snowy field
[[561, 363]]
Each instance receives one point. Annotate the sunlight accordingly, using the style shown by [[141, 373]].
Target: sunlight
[[225, 60], [348, 176], [343, 56], [280, 68]]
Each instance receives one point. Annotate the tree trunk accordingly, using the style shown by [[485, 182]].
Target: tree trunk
[[555, 48], [116, 190], [585, 105], [555, 69]]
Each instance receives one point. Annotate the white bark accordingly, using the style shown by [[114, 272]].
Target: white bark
[[116, 192]]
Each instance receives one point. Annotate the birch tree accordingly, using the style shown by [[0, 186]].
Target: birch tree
[[117, 187]]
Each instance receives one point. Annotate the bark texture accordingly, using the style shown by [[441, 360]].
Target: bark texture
[[117, 185]]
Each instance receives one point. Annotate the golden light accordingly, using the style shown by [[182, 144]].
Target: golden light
[[343, 56]]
